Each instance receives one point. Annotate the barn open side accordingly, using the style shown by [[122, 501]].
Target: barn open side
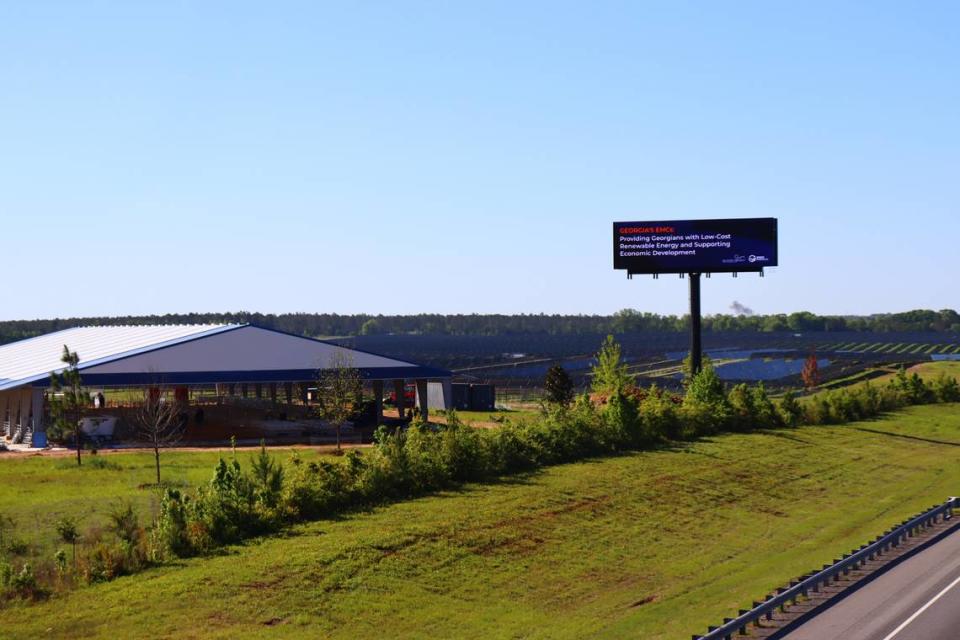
[[230, 372]]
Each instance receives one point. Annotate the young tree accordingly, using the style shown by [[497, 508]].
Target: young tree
[[610, 375], [69, 532], [811, 371], [558, 386], [339, 387], [159, 422], [69, 398]]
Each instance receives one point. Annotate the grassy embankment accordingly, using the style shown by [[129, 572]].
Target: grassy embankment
[[39, 490], [653, 545]]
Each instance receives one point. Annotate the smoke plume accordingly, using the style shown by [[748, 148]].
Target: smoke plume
[[740, 309]]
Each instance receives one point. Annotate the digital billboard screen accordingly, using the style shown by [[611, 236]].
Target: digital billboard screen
[[695, 246]]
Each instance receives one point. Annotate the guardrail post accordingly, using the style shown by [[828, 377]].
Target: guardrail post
[[726, 621], [743, 627]]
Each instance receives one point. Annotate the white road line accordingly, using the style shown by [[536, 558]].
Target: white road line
[[922, 609]]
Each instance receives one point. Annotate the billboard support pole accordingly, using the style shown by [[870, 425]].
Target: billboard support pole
[[696, 348]]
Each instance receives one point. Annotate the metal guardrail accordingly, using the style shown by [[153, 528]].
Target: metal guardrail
[[831, 572]]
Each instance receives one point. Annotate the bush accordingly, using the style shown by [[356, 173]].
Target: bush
[[945, 389], [765, 413], [791, 413], [17, 547], [21, 584], [107, 560], [743, 413], [170, 534], [659, 418], [124, 522]]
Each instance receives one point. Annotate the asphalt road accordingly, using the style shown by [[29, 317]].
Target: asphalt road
[[918, 599]]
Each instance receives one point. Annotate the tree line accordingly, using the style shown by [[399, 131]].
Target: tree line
[[623, 321]]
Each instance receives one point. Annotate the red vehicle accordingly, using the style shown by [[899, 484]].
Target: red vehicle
[[409, 396]]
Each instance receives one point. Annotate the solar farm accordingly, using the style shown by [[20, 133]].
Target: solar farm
[[515, 362]]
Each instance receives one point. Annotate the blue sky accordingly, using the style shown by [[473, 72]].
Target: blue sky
[[403, 157]]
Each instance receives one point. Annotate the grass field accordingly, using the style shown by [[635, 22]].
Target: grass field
[[926, 370], [651, 545], [39, 490]]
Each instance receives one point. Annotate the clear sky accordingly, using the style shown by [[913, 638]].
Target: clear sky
[[403, 157]]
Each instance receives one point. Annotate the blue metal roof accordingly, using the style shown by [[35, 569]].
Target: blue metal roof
[[33, 359], [188, 354]]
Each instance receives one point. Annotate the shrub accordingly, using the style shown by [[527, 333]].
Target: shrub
[[765, 413], [267, 476], [22, 584], [107, 560], [658, 417], [68, 532], [945, 388], [622, 421], [705, 408], [60, 558], [17, 547], [170, 534], [791, 413], [743, 412], [124, 522]]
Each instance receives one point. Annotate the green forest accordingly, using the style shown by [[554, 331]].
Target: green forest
[[624, 321]]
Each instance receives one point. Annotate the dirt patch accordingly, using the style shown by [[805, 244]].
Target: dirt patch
[[647, 600]]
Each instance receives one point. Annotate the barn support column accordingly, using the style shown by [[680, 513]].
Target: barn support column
[[258, 390], [398, 390], [447, 394], [378, 399], [244, 389], [288, 391], [422, 400], [5, 425], [36, 414], [273, 393]]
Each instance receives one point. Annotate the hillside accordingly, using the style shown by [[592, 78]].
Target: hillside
[[654, 545]]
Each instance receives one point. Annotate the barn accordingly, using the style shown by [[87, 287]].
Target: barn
[[239, 374]]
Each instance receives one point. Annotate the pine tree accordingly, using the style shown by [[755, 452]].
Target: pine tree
[[69, 398], [558, 386], [610, 375]]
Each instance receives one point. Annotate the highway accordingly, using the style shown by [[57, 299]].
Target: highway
[[918, 599]]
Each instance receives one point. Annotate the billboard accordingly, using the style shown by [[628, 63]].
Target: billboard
[[695, 246]]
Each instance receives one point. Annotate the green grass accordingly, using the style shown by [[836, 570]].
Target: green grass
[[652, 545], [39, 490], [926, 370]]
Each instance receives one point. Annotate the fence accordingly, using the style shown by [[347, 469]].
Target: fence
[[813, 583]]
